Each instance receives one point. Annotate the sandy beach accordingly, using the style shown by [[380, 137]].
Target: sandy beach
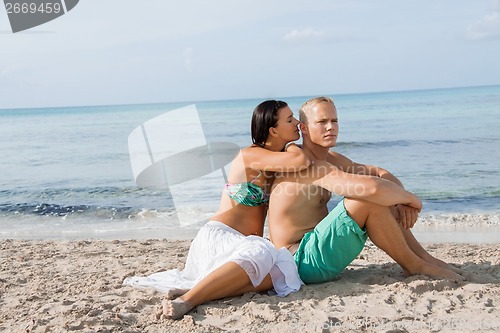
[[61, 286]]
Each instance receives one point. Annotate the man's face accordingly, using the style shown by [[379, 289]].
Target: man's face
[[322, 126]]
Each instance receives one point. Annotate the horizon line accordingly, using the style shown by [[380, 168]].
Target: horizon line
[[251, 98]]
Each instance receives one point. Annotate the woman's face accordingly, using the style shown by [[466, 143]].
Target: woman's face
[[287, 125]]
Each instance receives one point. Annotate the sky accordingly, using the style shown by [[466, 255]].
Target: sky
[[106, 52]]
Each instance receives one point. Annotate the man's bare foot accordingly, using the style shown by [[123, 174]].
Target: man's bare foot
[[175, 309], [438, 272], [438, 262], [175, 292], [456, 269]]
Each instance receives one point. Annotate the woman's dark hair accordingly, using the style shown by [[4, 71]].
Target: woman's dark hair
[[264, 117]]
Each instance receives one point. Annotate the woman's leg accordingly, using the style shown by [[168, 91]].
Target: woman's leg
[[226, 281]]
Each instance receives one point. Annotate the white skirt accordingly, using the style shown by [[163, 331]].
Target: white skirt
[[217, 244]]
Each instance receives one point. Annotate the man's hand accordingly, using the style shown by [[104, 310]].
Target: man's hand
[[407, 215]]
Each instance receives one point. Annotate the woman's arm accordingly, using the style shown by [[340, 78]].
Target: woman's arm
[[291, 160]]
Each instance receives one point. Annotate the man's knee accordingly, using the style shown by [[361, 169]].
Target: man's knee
[[360, 210], [356, 205]]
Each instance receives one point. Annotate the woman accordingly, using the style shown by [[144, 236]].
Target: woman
[[229, 257]]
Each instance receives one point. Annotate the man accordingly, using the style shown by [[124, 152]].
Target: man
[[375, 205]]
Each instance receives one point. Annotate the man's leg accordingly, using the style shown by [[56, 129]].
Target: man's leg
[[416, 247], [226, 281], [385, 233]]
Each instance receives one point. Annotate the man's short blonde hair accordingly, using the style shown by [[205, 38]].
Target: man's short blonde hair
[[307, 106]]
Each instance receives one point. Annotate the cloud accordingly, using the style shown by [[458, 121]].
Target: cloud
[[495, 5], [337, 34], [487, 27], [307, 34], [187, 55]]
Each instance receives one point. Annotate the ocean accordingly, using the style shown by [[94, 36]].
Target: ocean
[[67, 173]]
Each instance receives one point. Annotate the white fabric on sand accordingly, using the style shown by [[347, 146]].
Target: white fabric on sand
[[217, 244]]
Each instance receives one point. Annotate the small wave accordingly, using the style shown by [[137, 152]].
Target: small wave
[[479, 196], [83, 211], [406, 143], [379, 144], [461, 220]]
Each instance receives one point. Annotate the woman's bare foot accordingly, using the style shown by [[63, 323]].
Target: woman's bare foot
[[175, 309], [175, 292]]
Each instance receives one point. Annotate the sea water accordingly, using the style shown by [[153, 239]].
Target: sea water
[[66, 172]]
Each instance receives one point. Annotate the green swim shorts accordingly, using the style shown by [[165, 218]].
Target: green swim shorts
[[330, 247]]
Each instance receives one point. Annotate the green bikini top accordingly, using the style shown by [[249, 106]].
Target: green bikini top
[[248, 193]]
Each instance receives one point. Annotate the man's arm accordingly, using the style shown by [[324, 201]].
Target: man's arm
[[347, 165], [370, 188], [407, 216]]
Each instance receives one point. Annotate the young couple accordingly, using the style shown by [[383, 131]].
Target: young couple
[[229, 257]]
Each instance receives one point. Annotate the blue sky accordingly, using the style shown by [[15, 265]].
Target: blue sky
[[126, 52]]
